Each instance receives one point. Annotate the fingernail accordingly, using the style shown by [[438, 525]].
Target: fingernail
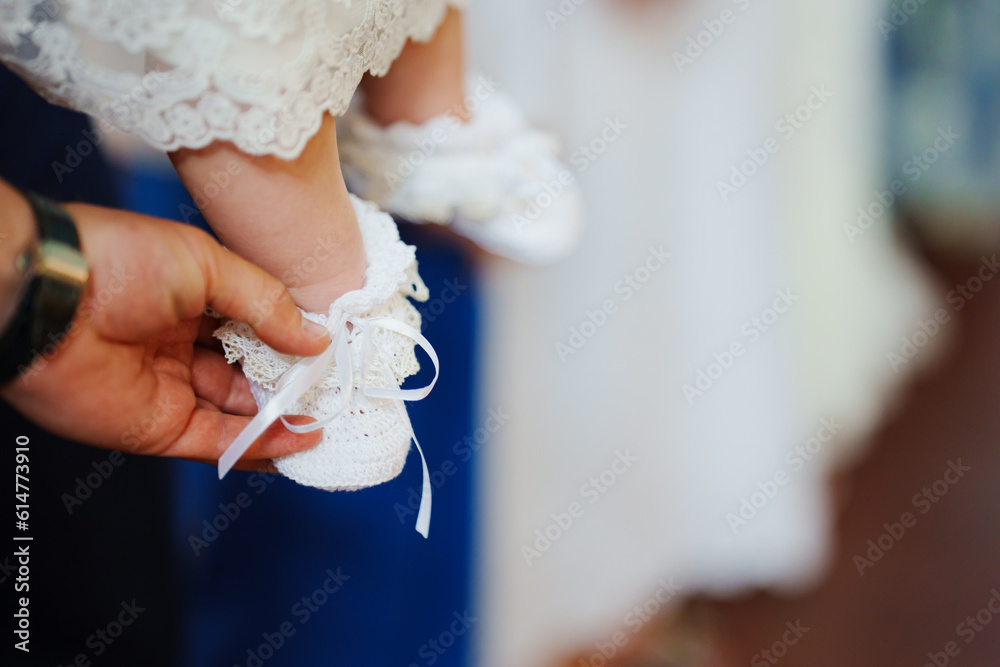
[[314, 330]]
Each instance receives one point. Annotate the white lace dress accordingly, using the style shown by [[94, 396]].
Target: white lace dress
[[184, 73]]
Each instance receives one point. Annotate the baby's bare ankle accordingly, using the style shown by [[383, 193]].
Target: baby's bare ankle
[[332, 270], [425, 81]]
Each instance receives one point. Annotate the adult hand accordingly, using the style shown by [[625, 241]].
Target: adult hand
[[138, 370]]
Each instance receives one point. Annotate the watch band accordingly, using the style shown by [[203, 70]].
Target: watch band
[[57, 278]]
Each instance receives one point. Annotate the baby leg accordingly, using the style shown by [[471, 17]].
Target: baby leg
[[491, 177], [425, 81], [292, 218]]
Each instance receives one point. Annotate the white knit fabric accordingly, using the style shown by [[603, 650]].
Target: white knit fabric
[[368, 443], [184, 73], [495, 179]]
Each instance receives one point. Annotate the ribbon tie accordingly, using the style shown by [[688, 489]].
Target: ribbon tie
[[306, 372]]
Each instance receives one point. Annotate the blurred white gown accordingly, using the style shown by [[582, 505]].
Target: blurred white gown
[[656, 183]]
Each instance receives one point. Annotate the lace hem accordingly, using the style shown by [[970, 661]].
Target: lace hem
[[259, 73]]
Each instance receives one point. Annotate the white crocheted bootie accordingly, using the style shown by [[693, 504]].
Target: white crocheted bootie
[[494, 180], [352, 389]]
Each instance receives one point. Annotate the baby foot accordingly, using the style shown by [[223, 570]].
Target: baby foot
[[353, 388], [495, 180]]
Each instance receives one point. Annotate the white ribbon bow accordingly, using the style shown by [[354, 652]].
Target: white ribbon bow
[[305, 373]]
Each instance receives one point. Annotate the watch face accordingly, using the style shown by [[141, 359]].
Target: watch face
[[61, 262]]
